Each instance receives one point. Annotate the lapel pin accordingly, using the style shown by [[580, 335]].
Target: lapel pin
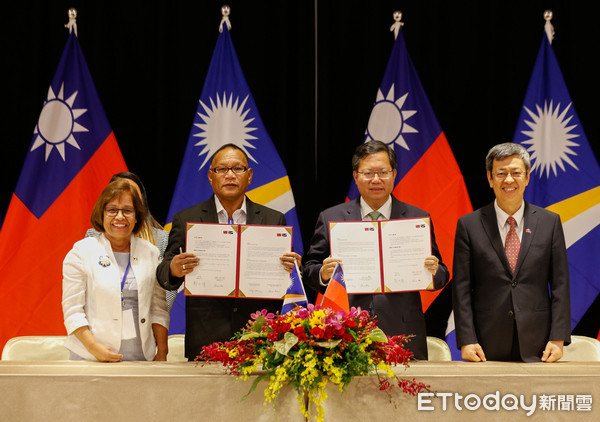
[[104, 261]]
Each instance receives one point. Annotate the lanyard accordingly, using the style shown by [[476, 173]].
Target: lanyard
[[124, 278], [229, 220]]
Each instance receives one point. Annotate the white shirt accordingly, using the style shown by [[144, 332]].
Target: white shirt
[[239, 216], [504, 227], [385, 210]]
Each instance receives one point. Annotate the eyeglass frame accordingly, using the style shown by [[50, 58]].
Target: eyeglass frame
[[214, 170], [370, 175], [110, 210], [514, 174]]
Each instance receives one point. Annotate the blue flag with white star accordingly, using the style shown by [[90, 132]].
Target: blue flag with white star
[[227, 114], [295, 294], [565, 176]]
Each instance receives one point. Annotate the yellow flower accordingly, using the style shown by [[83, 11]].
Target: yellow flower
[[385, 368]]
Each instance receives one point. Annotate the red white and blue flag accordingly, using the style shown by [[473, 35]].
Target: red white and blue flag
[[336, 295], [428, 175], [565, 175], [72, 156], [295, 294]]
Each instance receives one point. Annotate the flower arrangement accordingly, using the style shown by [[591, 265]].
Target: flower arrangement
[[309, 348]]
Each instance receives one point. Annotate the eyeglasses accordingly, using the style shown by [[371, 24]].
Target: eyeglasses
[[369, 175], [113, 212], [501, 175], [225, 170]]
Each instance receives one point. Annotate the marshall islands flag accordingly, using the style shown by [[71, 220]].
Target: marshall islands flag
[[227, 114], [565, 176]]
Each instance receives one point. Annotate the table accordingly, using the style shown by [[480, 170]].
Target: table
[[156, 391]]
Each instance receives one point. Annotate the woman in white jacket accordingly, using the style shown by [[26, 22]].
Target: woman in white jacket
[[113, 307]]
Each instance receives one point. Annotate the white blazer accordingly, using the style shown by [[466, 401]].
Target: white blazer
[[92, 294]]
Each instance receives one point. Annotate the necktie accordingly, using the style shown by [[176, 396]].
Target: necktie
[[374, 215], [512, 244]]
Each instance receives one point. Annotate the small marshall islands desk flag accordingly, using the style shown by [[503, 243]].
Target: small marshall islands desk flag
[[565, 176], [227, 114], [72, 156], [295, 294]]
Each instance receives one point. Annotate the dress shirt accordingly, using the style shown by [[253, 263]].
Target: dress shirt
[[385, 210], [504, 227], [239, 216]]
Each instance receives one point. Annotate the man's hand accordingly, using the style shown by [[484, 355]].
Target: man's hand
[[287, 260], [553, 351], [328, 267], [472, 352], [183, 264], [432, 264]]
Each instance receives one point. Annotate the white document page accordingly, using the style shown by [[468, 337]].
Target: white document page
[[261, 273], [356, 243], [216, 246], [405, 244]]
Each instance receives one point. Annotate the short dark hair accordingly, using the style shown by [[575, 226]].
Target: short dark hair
[[135, 179], [234, 146], [369, 148], [505, 150], [114, 190]]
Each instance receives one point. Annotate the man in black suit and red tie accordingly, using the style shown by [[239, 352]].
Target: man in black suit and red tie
[[374, 171], [510, 291]]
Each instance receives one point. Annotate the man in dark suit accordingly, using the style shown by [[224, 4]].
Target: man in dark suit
[[511, 278], [374, 171], [211, 319]]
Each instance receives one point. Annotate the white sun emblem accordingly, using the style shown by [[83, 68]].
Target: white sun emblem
[[224, 123], [388, 121], [57, 124], [550, 138]]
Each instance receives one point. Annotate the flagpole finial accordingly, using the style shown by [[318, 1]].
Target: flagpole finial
[[548, 26], [72, 25], [225, 11], [397, 24]]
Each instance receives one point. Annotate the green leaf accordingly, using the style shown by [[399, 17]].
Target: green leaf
[[249, 335], [330, 344], [378, 335], [255, 383], [284, 345]]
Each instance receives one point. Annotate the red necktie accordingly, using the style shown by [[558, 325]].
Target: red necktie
[[512, 244]]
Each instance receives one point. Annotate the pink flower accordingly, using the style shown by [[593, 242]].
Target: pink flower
[[264, 313]]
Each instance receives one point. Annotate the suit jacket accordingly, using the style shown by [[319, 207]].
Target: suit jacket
[[211, 319], [92, 294], [488, 298], [397, 313]]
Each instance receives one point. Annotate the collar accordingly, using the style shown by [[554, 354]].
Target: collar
[[385, 209], [501, 215], [222, 214]]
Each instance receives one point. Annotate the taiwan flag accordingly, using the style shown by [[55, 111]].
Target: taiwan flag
[[71, 158], [565, 176], [227, 113], [336, 294], [427, 174]]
